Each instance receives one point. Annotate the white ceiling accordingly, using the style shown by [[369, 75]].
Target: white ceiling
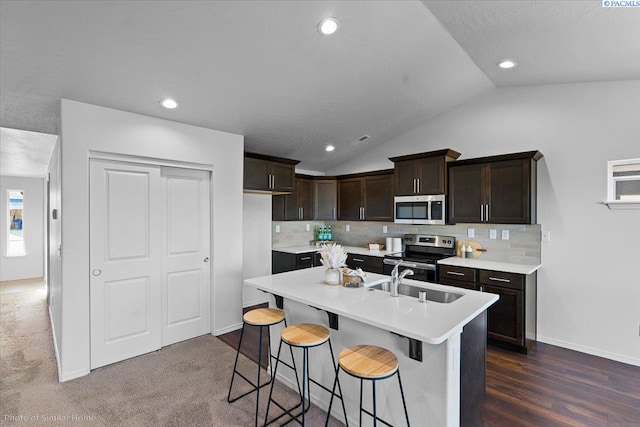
[[24, 153], [260, 68]]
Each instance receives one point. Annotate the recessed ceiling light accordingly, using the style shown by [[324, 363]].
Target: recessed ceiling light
[[169, 103], [330, 148], [328, 26], [505, 64]]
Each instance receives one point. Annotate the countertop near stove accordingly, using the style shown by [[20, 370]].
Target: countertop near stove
[[356, 250], [507, 267]]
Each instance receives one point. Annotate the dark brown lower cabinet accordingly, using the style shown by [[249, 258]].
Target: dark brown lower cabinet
[[285, 261], [505, 320], [511, 319], [372, 264]]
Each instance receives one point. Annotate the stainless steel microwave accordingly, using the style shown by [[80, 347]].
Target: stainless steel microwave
[[420, 210]]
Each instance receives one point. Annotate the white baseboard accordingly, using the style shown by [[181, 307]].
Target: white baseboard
[[55, 342], [73, 375], [589, 350], [251, 303], [228, 329]]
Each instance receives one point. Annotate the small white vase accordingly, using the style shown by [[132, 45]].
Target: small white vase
[[332, 276]]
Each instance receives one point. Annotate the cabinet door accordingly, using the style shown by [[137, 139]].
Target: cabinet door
[[256, 174], [325, 200], [282, 176], [378, 198], [465, 193], [304, 196], [277, 208], [431, 175], [349, 199], [505, 317], [508, 192], [405, 175], [304, 261]]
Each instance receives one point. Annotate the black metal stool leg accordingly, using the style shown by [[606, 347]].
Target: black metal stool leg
[[275, 371], [404, 403], [335, 366], [375, 414], [235, 365], [333, 392], [258, 386]]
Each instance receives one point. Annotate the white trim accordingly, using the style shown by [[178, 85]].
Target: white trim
[[55, 343], [227, 329], [591, 351], [147, 160], [254, 302], [74, 375], [622, 204]]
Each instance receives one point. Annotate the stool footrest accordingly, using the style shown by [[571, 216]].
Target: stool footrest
[[377, 418], [255, 387]]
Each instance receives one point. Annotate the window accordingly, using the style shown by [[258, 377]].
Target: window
[[15, 240], [623, 189]]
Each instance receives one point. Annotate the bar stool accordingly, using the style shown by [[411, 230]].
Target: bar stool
[[369, 362], [261, 317], [304, 336]]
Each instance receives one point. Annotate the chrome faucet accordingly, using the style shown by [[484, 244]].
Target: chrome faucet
[[396, 278]]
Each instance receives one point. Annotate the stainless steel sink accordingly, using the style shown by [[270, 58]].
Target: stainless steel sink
[[412, 291]]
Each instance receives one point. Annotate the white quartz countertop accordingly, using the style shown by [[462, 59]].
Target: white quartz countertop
[[430, 322], [507, 267], [356, 250]]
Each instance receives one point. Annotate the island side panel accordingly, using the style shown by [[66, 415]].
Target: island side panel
[[473, 364], [425, 383]]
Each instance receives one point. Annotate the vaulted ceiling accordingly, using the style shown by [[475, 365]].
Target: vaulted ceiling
[[261, 69]]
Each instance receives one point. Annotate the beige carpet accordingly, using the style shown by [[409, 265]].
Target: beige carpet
[[184, 384]]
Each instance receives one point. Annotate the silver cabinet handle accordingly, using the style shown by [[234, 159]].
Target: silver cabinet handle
[[273, 181], [481, 213], [96, 272], [358, 260], [305, 258], [486, 216], [455, 273], [418, 180], [269, 185], [363, 213], [206, 259], [414, 186], [334, 213], [499, 279]]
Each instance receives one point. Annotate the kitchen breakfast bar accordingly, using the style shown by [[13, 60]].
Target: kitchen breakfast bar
[[440, 346]]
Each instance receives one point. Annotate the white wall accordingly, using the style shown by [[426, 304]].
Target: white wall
[[32, 264], [86, 128], [256, 243], [54, 280], [589, 285]]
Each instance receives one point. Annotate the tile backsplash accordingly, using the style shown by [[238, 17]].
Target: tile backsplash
[[523, 245]]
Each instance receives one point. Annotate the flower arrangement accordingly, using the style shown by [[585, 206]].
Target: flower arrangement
[[333, 256]]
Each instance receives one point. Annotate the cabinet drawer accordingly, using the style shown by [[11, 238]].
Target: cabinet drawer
[[304, 260], [457, 283], [500, 278], [463, 274], [367, 263]]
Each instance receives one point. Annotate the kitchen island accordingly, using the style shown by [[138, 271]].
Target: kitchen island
[[440, 346]]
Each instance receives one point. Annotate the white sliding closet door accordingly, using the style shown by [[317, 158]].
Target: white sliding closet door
[[126, 219], [186, 269], [149, 252]]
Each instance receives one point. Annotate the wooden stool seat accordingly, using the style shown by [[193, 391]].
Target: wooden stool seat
[[305, 335], [368, 361], [263, 316]]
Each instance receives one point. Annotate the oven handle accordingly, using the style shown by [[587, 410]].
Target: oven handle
[[421, 266]]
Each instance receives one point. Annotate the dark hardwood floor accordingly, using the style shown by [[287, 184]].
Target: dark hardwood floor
[[549, 386]]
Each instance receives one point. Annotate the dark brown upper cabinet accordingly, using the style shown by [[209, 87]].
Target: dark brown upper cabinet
[[497, 189], [296, 206], [366, 197], [268, 174], [325, 199], [422, 173]]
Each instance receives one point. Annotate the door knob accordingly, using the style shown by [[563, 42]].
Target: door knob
[[206, 259], [96, 272]]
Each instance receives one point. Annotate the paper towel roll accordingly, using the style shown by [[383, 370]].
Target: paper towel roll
[[397, 244], [389, 244]]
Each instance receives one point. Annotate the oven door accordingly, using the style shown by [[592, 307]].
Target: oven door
[[421, 272]]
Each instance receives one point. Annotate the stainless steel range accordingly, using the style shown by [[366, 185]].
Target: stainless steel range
[[421, 254]]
